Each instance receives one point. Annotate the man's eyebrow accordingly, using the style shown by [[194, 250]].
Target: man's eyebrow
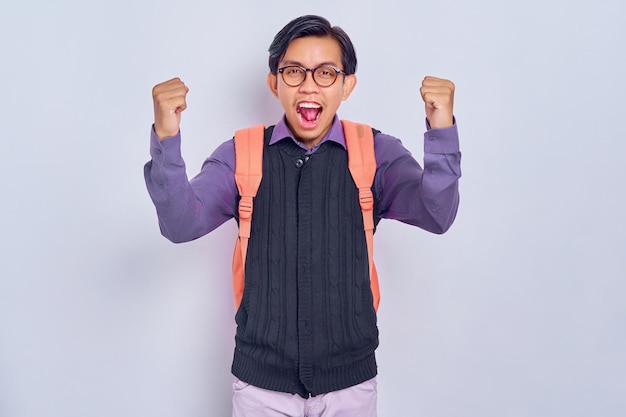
[[328, 63]]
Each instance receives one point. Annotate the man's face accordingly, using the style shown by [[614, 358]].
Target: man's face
[[321, 103]]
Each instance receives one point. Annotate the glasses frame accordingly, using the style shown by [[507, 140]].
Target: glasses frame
[[312, 71]]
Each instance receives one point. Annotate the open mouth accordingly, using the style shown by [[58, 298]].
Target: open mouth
[[309, 113]]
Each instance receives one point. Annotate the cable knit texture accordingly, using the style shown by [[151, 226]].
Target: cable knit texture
[[306, 323]]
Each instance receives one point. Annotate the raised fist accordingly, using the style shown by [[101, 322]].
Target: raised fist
[[169, 102], [438, 96]]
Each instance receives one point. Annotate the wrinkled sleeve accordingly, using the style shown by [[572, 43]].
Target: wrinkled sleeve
[[187, 209], [426, 197]]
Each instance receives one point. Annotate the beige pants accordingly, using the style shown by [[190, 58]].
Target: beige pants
[[356, 401]]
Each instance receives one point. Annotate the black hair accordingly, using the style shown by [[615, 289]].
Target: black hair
[[311, 25]]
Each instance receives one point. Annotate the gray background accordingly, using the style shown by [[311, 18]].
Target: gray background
[[517, 311]]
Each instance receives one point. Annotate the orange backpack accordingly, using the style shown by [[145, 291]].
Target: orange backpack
[[248, 174]]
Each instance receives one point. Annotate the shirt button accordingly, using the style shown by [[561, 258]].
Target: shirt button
[[299, 163]]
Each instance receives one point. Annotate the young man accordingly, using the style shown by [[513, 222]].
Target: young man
[[306, 326]]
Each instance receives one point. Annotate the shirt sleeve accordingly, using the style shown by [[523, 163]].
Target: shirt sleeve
[[425, 197], [188, 209]]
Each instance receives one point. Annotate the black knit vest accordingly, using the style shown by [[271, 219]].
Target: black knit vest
[[306, 323]]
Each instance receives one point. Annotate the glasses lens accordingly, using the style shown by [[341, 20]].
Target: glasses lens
[[325, 76], [293, 76]]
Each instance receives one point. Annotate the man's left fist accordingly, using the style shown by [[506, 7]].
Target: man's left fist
[[438, 96]]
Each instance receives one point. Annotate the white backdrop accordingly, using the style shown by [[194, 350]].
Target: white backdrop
[[517, 311]]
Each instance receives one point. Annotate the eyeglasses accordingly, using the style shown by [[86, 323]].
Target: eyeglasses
[[324, 75]]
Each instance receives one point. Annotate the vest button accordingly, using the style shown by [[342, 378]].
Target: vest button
[[299, 163]]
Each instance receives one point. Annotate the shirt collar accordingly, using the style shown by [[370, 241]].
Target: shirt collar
[[335, 134]]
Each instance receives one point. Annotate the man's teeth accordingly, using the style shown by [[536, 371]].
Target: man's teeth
[[309, 105]]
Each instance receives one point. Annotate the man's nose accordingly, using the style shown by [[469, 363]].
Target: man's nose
[[309, 83]]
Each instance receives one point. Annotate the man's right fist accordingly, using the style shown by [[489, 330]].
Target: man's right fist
[[169, 102]]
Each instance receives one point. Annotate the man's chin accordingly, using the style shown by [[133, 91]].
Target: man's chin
[[309, 133]]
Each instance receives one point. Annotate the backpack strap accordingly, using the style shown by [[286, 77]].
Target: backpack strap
[[362, 164], [248, 174]]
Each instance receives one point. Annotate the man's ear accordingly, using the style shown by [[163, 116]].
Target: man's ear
[[349, 83], [272, 83]]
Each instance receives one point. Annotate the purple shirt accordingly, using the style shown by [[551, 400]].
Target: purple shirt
[[427, 198]]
